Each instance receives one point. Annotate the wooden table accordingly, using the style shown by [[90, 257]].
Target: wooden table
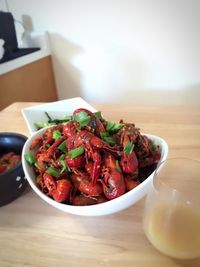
[[32, 233]]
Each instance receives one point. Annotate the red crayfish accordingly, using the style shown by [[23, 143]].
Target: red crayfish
[[91, 143], [113, 180], [59, 190], [80, 167]]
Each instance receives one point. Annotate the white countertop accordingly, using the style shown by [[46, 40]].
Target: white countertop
[[30, 40]]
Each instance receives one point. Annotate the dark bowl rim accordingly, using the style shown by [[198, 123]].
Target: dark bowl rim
[[18, 165], [14, 134]]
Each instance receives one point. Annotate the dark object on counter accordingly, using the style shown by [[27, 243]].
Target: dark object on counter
[[8, 34], [12, 182]]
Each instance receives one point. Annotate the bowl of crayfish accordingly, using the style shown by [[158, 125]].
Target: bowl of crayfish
[[12, 179], [90, 166]]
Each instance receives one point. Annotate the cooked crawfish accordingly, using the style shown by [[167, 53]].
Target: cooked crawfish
[[83, 184], [113, 180], [59, 190], [131, 181], [85, 200], [129, 161], [8, 161], [90, 160], [95, 126], [92, 145]]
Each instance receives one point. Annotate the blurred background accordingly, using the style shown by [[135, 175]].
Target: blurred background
[[119, 51]]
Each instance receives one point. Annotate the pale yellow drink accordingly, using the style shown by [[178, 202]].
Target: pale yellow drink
[[174, 229]]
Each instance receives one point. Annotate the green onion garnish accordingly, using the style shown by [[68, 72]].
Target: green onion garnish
[[66, 118], [128, 148], [107, 138], [62, 157], [53, 172], [30, 157], [39, 125], [57, 135], [113, 127], [154, 147], [76, 152], [64, 165], [83, 118], [118, 166], [98, 114], [62, 147], [37, 166]]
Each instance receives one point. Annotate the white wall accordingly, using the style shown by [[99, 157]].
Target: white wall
[[145, 51]]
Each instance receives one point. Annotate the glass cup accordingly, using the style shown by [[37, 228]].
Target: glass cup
[[172, 209]]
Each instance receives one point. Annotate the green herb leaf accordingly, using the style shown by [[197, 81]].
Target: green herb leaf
[[30, 158], [83, 118], [57, 135], [128, 148], [78, 151], [113, 127]]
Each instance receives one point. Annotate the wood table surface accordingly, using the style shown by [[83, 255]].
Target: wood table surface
[[32, 233]]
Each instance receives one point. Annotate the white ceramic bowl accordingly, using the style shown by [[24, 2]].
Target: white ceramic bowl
[[55, 109], [2, 50], [105, 208]]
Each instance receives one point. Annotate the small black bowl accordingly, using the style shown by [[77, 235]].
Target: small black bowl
[[12, 182]]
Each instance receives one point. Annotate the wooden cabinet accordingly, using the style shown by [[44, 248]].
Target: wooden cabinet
[[33, 82]]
